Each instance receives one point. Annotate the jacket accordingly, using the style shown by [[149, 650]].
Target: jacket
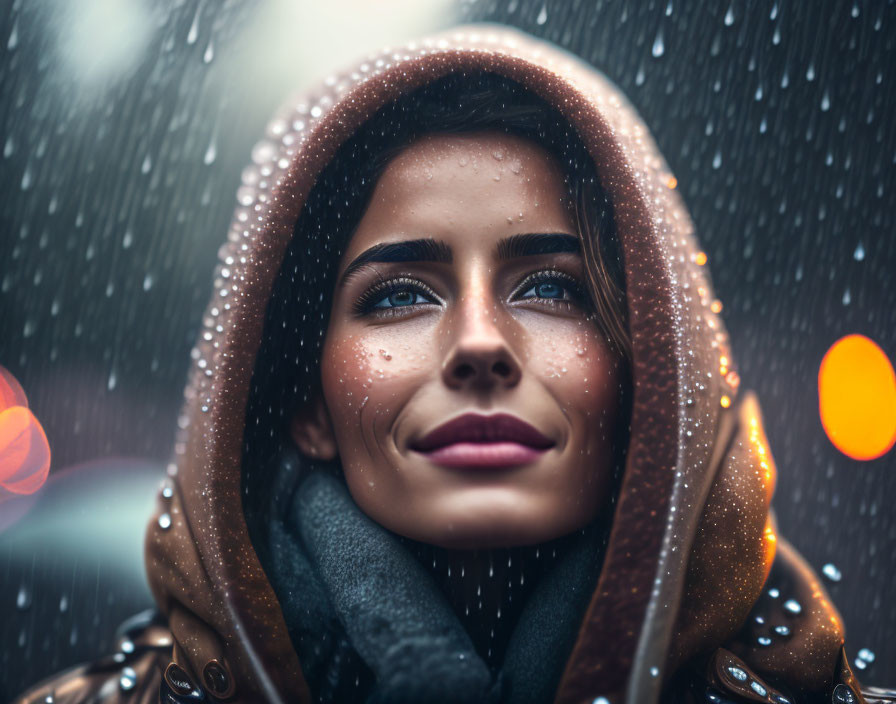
[[698, 598]]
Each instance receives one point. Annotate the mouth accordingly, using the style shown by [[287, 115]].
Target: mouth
[[474, 440]]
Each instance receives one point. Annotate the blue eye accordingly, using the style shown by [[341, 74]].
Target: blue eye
[[399, 298], [388, 297], [545, 289]]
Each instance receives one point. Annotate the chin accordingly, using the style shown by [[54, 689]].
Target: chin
[[495, 530]]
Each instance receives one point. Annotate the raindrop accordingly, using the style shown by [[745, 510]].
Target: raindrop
[[782, 630], [810, 72], [639, 76], [13, 41], [146, 166], [27, 178], [776, 36], [23, 598], [127, 240], [63, 604], [658, 47], [758, 95], [860, 664], [542, 15], [737, 673], [764, 640], [831, 572], [193, 34], [669, 9], [211, 153], [165, 521], [859, 254], [855, 10], [654, 671], [825, 102], [148, 282], [209, 54], [113, 380], [8, 147], [128, 679], [717, 160], [729, 16], [774, 13], [792, 606], [866, 655], [846, 297]]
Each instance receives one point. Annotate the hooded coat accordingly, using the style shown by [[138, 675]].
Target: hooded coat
[[692, 597]]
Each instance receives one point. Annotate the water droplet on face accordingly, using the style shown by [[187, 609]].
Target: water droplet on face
[[792, 606]]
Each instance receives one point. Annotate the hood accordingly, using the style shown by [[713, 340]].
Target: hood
[[692, 540]]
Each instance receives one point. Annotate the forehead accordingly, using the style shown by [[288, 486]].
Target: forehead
[[467, 189]]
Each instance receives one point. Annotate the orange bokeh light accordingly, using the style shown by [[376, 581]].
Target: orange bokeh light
[[857, 398], [24, 450]]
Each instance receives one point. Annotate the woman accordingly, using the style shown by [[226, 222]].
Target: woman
[[464, 424]]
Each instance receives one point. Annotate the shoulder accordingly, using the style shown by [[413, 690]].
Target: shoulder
[[132, 675], [724, 678]]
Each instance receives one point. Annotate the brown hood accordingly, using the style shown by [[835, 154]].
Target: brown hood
[[693, 539]]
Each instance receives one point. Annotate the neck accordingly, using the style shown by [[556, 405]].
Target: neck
[[488, 588]]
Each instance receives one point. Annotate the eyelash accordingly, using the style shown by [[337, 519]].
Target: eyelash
[[366, 303]]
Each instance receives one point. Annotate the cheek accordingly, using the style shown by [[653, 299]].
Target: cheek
[[373, 369], [574, 363]]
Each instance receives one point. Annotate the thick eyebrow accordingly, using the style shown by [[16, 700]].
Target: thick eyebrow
[[430, 250], [424, 250], [537, 243]]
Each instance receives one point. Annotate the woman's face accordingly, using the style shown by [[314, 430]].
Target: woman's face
[[462, 292]]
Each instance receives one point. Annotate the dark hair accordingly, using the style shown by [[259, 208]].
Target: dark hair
[[287, 370]]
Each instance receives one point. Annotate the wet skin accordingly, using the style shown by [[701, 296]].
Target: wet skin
[[475, 334]]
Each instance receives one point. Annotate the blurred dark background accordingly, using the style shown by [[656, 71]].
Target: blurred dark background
[[121, 156]]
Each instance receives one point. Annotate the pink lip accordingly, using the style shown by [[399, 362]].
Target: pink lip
[[473, 440]]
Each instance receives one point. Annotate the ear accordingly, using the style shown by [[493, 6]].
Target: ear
[[312, 430]]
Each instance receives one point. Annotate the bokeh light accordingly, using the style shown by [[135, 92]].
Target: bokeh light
[[24, 450], [857, 398]]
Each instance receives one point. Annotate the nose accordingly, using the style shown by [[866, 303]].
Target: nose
[[480, 356]]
